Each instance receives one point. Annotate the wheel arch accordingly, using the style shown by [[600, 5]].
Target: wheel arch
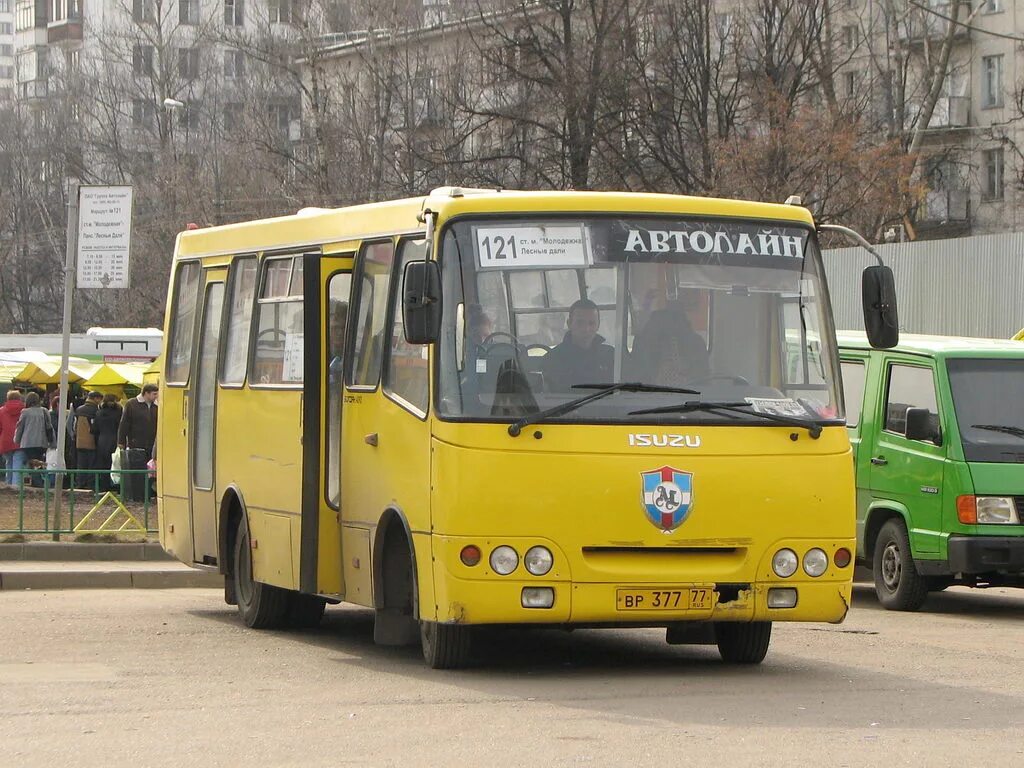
[[878, 515], [232, 508], [393, 522]]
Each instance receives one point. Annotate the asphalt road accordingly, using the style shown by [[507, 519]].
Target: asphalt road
[[171, 678]]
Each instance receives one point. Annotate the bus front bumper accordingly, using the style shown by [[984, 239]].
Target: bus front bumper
[[506, 601]]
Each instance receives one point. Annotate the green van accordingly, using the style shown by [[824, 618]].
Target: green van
[[937, 427]]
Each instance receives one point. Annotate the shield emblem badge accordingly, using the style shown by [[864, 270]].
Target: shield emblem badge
[[667, 497]]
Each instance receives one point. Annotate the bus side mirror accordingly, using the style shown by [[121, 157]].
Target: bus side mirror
[[421, 302], [878, 289], [921, 426]]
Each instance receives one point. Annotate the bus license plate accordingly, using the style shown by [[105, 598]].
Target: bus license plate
[[664, 599]]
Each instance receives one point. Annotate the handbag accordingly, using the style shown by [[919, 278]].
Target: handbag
[[115, 468]]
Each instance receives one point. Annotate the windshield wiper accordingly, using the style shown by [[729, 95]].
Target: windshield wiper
[[1015, 431], [739, 406], [603, 390]]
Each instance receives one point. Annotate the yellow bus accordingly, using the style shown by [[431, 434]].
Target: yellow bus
[[558, 409]]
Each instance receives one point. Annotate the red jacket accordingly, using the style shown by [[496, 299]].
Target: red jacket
[[9, 413]]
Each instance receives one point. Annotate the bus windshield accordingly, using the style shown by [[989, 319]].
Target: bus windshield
[[536, 310]]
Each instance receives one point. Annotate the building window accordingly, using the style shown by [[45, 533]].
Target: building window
[[992, 159], [143, 114], [6, 28], [25, 15], [850, 37], [188, 117], [188, 11], [188, 63], [234, 64], [993, 6], [234, 12], [5, 6], [143, 10], [6, 49], [850, 79], [279, 11], [232, 117], [142, 60], [992, 81]]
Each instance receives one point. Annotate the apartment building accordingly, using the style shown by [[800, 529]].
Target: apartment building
[[6, 49]]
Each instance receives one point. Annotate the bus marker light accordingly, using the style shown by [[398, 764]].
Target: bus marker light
[[842, 557], [470, 555], [782, 597], [538, 597]]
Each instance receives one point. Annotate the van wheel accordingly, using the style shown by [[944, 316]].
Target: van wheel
[[445, 646], [897, 583], [743, 643], [261, 606]]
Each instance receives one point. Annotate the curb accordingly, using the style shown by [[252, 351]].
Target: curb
[[74, 551], [113, 579]]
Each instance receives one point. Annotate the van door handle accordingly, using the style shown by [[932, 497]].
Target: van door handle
[[879, 461]]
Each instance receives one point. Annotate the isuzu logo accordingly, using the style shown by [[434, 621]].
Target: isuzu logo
[[641, 440]]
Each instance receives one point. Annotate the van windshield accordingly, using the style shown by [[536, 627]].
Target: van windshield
[[988, 395], [538, 309]]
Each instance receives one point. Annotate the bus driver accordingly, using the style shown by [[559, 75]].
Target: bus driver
[[582, 357]]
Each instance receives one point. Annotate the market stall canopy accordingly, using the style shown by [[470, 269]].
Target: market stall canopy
[[116, 375], [152, 374], [48, 371]]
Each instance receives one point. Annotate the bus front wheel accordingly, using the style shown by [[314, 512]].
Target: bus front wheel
[[261, 606], [445, 646], [743, 643]]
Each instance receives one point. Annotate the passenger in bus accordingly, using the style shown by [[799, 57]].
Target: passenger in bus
[[668, 352], [582, 357]]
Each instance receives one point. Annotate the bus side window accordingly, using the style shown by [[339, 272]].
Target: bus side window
[[278, 355], [370, 315], [242, 282], [407, 363], [186, 295]]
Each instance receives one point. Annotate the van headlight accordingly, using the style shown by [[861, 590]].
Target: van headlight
[[998, 510], [785, 563]]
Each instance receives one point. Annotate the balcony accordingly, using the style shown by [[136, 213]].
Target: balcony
[[945, 206], [951, 112], [64, 32], [921, 25], [32, 89]]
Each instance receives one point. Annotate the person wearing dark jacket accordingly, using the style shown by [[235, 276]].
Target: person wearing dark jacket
[[85, 441], [104, 429], [582, 357], [138, 422]]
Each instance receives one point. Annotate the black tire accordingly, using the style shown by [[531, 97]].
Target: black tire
[[304, 611], [445, 646], [261, 606], [743, 643], [897, 583]]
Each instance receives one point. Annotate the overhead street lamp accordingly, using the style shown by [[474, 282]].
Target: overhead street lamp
[[174, 104]]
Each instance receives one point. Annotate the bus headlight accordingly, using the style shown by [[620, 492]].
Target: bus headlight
[[815, 562], [785, 563], [504, 560], [538, 560]]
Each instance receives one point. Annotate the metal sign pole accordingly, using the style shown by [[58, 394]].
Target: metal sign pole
[[70, 267]]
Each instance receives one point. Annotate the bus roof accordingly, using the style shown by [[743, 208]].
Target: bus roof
[[314, 226], [939, 346]]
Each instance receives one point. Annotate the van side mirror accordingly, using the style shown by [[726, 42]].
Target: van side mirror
[[922, 426], [878, 291], [421, 302]]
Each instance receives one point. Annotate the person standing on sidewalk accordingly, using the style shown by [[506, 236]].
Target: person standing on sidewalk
[[85, 440], [34, 433], [105, 427], [9, 413], [137, 435]]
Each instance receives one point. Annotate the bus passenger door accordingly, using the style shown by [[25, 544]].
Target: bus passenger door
[[329, 281], [203, 418]]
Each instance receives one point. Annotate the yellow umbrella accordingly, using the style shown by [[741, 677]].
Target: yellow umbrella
[[1019, 336], [114, 377], [152, 374]]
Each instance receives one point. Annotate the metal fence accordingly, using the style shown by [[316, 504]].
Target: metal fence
[[967, 286], [91, 501]]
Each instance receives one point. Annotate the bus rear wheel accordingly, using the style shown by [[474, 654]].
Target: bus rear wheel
[[445, 646], [743, 643], [261, 606]]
